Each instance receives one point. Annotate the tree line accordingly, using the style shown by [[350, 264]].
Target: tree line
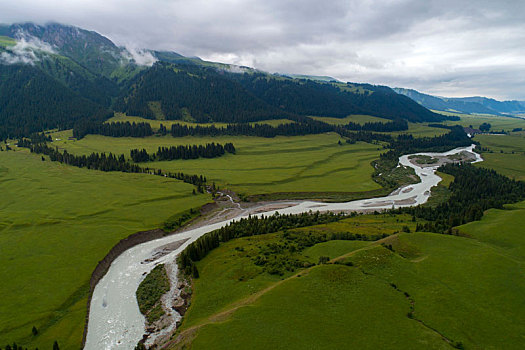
[[395, 125], [210, 150], [303, 126], [109, 162], [115, 129], [260, 130], [474, 190], [250, 226]]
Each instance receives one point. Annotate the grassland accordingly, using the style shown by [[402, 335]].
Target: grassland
[[498, 123], [56, 223], [416, 129], [155, 123], [311, 163], [415, 290], [506, 155], [228, 273]]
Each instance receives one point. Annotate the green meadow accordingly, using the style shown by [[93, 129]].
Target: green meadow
[[498, 123], [416, 290], [56, 223], [506, 155], [311, 163], [228, 274], [416, 129]]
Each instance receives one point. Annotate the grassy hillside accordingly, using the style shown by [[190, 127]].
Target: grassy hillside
[[237, 277], [312, 163], [57, 222], [426, 291]]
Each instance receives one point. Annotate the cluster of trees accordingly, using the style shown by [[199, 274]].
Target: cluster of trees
[[112, 162], [34, 139], [250, 226], [395, 125], [210, 150], [278, 257], [364, 136], [116, 129], [406, 144], [308, 127], [485, 127], [474, 190]]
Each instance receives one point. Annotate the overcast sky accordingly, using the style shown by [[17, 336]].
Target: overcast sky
[[443, 47]]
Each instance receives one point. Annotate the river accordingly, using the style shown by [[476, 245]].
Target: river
[[115, 321]]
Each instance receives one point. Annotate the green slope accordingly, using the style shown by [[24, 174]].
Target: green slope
[[427, 291]]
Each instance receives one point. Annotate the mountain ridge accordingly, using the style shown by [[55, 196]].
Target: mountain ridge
[[469, 105], [90, 68]]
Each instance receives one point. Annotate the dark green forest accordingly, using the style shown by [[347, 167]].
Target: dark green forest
[[32, 101], [210, 150], [474, 190], [307, 97]]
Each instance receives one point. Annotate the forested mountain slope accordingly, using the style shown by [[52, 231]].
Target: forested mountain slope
[[54, 75], [31, 100]]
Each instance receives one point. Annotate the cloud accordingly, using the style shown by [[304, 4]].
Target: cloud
[[27, 50], [141, 57], [412, 43]]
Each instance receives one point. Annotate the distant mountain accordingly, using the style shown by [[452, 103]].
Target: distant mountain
[[470, 105], [82, 74], [308, 97]]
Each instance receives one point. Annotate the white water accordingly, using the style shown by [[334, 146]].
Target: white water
[[115, 321]]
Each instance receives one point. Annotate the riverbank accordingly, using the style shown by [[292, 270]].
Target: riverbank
[[115, 321]]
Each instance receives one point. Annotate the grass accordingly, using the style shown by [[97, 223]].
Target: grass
[[427, 291], [446, 179], [416, 129], [229, 273], [150, 290], [311, 163], [506, 156], [56, 223], [498, 123], [155, 124], [319, 311]]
